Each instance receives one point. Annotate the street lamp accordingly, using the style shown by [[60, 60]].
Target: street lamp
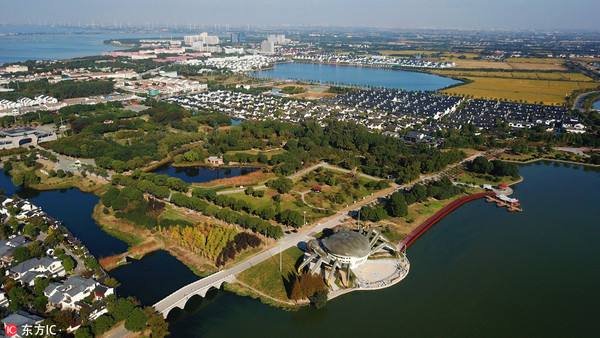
[[280, 260], [304, 217]]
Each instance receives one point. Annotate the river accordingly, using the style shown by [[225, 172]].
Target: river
[[356, 76], [481, 271]]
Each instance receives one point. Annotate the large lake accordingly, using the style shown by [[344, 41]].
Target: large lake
[[479, 272], [356, 76], [51, 43]]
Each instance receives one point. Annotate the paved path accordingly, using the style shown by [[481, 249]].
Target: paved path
[[304, 172], [578, 104]]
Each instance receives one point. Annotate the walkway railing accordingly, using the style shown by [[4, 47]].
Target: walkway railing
[[421, 229]]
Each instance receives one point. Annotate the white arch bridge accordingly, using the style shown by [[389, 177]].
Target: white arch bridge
[[179, 298]]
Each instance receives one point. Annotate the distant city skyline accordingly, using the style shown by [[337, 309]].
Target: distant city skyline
[[473, 14]]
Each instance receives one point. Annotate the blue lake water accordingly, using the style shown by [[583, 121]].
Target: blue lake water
[[52, 43], [356, 76], [155, 270], [597, 105], [201, 174], [479, 272], [74, 208]]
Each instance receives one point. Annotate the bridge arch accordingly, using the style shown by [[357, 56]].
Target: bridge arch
[[174, 313], [180, 298]]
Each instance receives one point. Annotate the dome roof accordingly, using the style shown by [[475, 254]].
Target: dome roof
[[347, 243]]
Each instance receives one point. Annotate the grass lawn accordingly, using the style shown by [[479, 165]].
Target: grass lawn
[[478, 179], [175, 215], [268, 153], [256, 202], [266, 277]]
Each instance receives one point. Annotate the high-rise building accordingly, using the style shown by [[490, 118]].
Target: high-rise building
[[203, 37], [278, 39], [235, 38], [267, 47]]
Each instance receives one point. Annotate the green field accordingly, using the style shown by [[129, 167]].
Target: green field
[[266, 277]]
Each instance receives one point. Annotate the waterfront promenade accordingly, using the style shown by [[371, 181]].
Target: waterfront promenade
[[421, 229]]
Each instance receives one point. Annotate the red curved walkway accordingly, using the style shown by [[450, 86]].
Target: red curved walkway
[[421, 229]]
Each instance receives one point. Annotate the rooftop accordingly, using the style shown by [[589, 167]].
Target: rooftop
[[347, 243]]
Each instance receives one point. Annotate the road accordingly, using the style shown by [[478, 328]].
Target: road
[[578, 104], [304, 172]]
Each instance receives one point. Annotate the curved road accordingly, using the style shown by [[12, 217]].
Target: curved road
[[578, 104]]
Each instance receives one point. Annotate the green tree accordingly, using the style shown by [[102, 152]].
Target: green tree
[[136, 321], [68, 263], [39, 303], [396, 205], [121, 309], [18, 297], [21, 254], [102, 324], [36, 249], [84, 332], [90, 262], [156, 323], [319, 299], [39, 285], [282, 184]]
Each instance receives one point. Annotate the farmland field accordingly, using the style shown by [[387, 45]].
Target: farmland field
[[548, 92], [515, 75]]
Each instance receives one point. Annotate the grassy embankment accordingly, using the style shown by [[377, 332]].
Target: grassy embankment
[[265, 282]]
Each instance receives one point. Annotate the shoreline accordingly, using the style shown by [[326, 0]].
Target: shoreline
[[551, 160], [399, 68]]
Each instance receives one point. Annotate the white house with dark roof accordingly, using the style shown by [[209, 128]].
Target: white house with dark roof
[[69, 293], [29, 270]]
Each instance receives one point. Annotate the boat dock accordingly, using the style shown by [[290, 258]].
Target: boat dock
[[512, 204]]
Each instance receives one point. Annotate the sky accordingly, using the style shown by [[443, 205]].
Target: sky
[[477, 14]]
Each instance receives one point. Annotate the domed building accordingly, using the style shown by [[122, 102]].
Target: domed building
[[348, 247], [344, 249]]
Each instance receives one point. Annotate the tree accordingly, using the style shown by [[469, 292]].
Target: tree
[[90, 262], [64, 319], [156, 323], [36, 249], [282, 185], [396, 205], [84, 332], [481, 165], [319, 299], [373, 214], [39, 303], [121, 309], [29, 230], [111, 282], [18, 297], [21, 254], [102, 324], [68, 263], [40, 284], [136, 321]]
